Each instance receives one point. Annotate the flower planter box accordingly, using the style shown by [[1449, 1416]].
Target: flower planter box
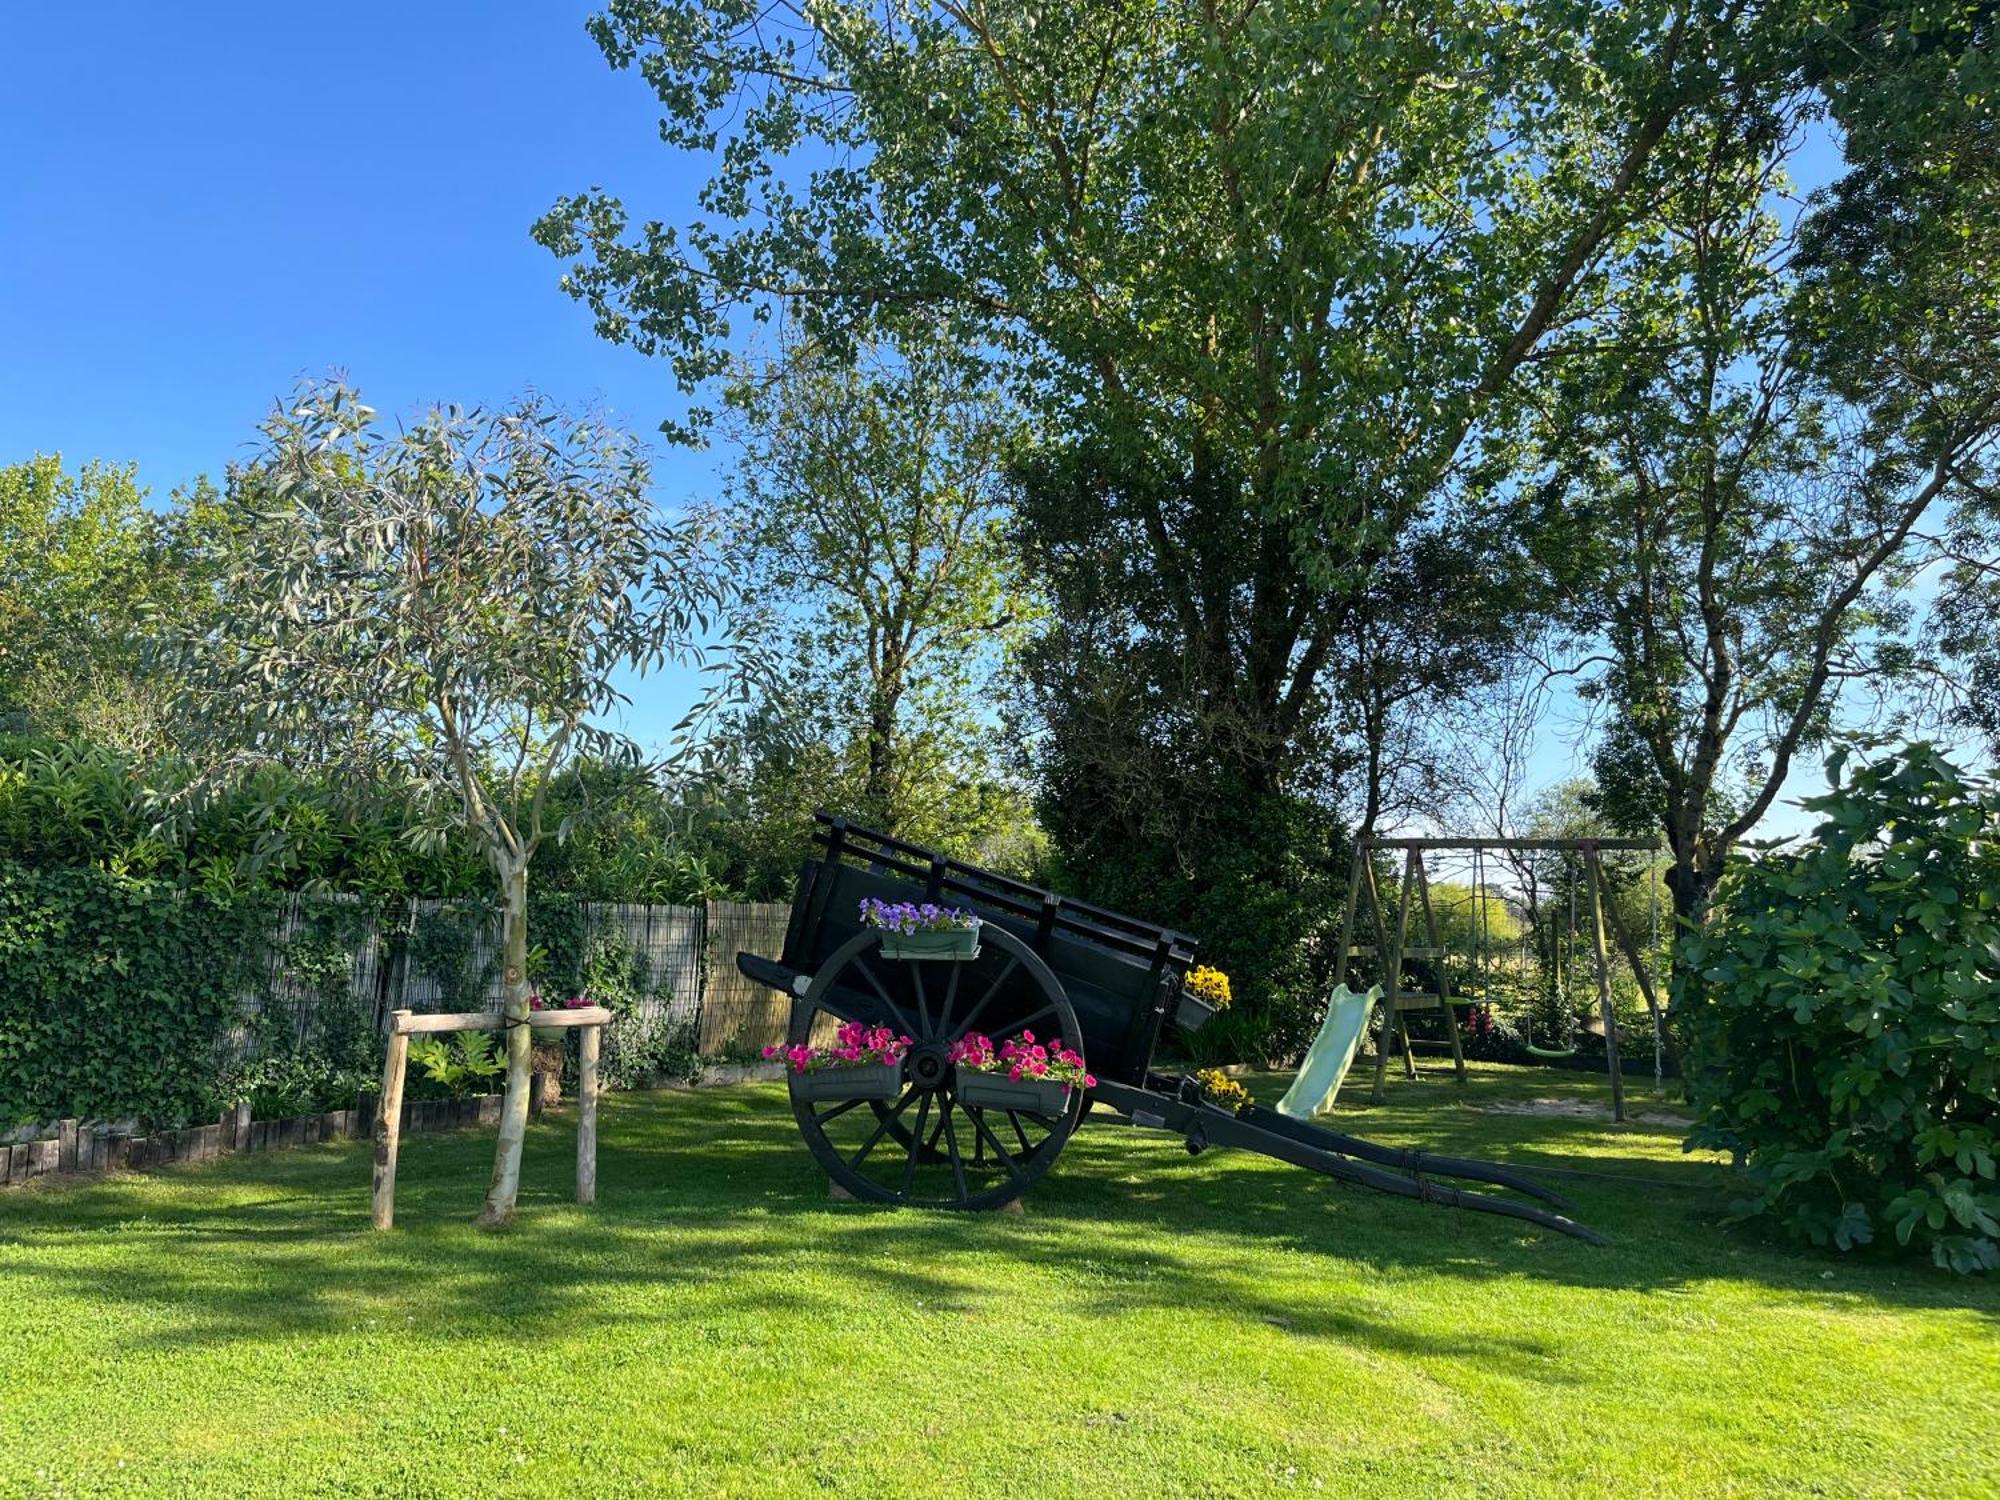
[[1030, 1096], [1193, 1012], [868, 1081], [951, 944]]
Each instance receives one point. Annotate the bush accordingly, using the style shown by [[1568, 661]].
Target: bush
[[118, 997], [1842, 1015]]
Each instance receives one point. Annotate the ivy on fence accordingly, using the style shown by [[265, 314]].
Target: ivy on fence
[[118, 997]]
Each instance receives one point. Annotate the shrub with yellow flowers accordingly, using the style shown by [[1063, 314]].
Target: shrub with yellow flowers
[[1223, 1091], [1210, 985]]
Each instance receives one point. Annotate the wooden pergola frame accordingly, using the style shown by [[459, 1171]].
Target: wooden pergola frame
[[1603, 915], [404, 1024]]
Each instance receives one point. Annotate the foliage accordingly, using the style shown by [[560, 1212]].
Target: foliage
[[865, 528], [1844, 1036], [1737, 477], [642, 1049], [462, 1064], [89, 573], [285, 1085], [450, 606], [121, 995]]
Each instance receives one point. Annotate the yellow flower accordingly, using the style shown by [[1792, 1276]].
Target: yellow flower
[[1220, 1089], [1211, 985]]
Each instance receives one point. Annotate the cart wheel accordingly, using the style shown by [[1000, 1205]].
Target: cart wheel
[[925, 1148]]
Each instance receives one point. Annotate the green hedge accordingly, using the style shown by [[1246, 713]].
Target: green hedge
[[1844, 1016], [117, 995]]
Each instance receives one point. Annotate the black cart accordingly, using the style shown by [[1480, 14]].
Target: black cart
[[1105, 983]]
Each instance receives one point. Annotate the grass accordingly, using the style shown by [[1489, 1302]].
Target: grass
[[1154, 1325]]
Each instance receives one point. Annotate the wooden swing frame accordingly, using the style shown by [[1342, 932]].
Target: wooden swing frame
[[1398, 1001]]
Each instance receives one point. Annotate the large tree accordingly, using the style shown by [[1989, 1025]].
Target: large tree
[[450, 606], [89, 573], [1284, 262], [865, 524], [1741, 466]]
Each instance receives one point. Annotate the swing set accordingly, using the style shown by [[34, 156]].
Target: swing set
[[1392, 947]]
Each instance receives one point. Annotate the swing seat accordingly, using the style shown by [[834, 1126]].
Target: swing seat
[[1531, 1048], [1331, 1054]]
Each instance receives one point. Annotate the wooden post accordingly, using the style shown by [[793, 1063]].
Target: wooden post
[[389, 1121], [1443, 962], [1392, 981], [66, 1145], [239, 1126], [1347, 917], [1609, 1016], [586, 1113]]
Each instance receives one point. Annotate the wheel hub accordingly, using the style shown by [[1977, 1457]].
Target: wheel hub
[[928, 1065]]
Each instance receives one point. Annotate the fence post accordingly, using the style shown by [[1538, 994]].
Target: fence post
[[389, 1121], [586, 1113]]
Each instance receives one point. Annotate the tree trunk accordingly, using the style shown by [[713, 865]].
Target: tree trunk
[[506, 1184]]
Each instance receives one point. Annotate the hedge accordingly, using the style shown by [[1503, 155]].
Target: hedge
[[117, 995]]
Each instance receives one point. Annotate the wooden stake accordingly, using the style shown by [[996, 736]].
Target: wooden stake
[[1347, 917], [1604, 985], [1443, 962], [389, 1121], [1392, 984], [586, 1113]]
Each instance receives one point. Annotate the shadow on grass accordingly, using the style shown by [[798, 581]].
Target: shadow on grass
[[710, 1200]]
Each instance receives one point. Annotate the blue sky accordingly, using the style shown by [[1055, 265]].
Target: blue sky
[[201, 204]]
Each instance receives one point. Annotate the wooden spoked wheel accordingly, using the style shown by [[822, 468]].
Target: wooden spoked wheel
[[927, 1148]]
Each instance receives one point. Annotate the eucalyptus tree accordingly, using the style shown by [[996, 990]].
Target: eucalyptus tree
[[451, 606], [1285, 260], [866, 526]]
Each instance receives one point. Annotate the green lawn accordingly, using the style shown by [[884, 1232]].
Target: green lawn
[[1154, 1325]]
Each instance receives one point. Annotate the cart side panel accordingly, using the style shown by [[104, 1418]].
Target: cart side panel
[[1113, 994]]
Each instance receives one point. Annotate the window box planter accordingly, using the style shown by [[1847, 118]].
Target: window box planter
[[865, 1081], [1193, 1012], [950, 944], [1030, 1096]]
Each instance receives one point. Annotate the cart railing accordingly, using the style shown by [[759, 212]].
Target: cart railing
[[1048, 911]]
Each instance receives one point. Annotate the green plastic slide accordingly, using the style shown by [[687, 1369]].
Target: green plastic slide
[[1331, 1054]]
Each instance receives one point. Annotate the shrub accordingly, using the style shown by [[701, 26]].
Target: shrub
[[1842, 1015]]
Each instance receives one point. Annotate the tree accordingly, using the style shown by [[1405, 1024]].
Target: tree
[[88, 573], [1284, 266], [866, 525], [452, 606], [1738, 470]]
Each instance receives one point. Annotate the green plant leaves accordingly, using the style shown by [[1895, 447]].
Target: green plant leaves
[[1845, 1036]]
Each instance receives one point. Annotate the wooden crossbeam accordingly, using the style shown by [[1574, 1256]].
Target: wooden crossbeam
[[411, 1023]]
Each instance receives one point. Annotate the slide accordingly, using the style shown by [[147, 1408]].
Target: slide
[[1331, 1054]]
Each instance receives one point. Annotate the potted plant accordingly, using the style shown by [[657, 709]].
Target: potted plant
[[923, 930], [548, 1058], [1218, 1088], [1203, 992], [864, 1062], [1026, 1075]]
